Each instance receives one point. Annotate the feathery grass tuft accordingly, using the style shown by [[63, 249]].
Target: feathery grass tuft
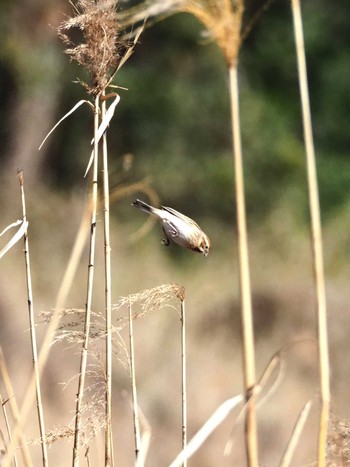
[[102, 47]]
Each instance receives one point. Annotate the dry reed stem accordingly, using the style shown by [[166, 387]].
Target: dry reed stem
[[316, 237], [244, 275], [32, 328], [108, 296], [135, 408], [97, 24], [183, 378], [90, 278], [296, 434], [7, 424], [14, 408]]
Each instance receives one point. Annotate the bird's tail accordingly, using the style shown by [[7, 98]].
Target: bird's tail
[[143, 206]]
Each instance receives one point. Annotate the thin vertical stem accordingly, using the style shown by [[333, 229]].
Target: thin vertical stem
[[14, 408], [90, 279], [108, 298], [183, 378], [32, 329], [3, 405], [135, 407], [244, 275], [316, 236]]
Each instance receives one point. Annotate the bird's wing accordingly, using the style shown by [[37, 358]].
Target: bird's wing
[[181, 216]]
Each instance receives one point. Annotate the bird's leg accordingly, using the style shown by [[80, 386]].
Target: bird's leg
[[165, 241]]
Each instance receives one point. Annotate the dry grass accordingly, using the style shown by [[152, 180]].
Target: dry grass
[[90, 331]]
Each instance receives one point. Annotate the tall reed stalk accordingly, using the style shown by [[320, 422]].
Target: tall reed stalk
[[135, 408], [108, 296], [244, 276], [183, 376], [40, 410], [90, 280], [316, 236]]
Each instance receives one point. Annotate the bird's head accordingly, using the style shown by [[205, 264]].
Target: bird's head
[[204, 245]]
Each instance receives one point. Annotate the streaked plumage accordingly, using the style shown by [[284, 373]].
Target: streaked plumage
[[178, 228]]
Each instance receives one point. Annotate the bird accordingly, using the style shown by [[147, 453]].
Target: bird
[[178, 228]]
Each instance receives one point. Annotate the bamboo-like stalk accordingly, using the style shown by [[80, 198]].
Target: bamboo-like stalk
[[183, 378], [90, 279], [7, 424], [135, 407], [316, 236], [244, 275], [40, 410], [14, 408], [108, 297]]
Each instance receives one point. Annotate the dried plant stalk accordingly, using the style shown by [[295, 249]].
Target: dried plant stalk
[[90, 278], [32, 329], [14, 408], [136, 422], [108, 296], [183, 377], [244, 275], [7, 424], [316, 236]]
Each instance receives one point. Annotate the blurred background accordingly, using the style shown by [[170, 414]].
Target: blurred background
[[171, 137]]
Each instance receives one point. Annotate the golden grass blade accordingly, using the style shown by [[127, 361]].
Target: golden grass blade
[[102, 128], [74, 259], [210, 425], [14, 408], [316, 236], [77, 105], [296, 434]]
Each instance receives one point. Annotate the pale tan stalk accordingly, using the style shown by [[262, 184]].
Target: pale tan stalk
[[183, 378], [7, 424], [32, 329], [73, 262], [108, 298], [14, 408], [45, 348], [295, 437], [90, 279], [244, 275], [136, 420], [316, 237]]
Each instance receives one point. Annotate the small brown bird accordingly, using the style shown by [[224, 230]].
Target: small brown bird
[[178, 228]]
